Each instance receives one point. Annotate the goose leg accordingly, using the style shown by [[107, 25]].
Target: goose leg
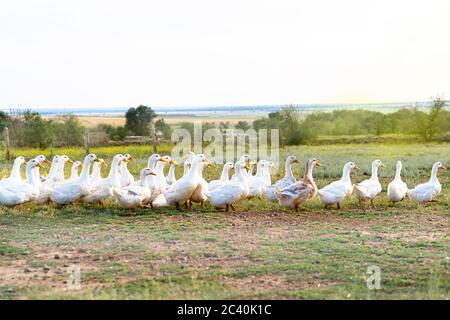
[[227, 208], [177, 205], [232, 207], [339, 205], [201, 205]]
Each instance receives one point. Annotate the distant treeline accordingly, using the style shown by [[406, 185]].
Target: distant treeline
[[30, 129], [297, 127]]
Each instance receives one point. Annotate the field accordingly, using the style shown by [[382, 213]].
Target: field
[[260, 251], [93, 121]]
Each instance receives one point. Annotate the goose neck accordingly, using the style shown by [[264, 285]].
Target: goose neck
[[84, 176], [398, 171], [224, 176], [15, 172], [309, 173], [288, 169], [374, 175], [434, 171], [346, 174]]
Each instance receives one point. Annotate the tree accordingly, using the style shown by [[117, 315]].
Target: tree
[[4, 120], [69, 131], [37, 132], [114, 133], [244, 125], [139, 120], [164, 128], [429, 125]]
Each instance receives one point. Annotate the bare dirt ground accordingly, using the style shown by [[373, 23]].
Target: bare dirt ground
[[246, 254]]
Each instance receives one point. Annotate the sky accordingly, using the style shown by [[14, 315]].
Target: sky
[[220, 53]]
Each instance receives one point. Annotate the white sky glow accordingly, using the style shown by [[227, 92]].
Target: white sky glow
[[235, 52]]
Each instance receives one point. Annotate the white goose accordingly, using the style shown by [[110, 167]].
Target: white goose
[[46, 188], [96, 175], [298, 193], [41, 159], [397, 189], [369, 188], [336, 191], [61, 164], [152, 181], [70, 191], [74, 170], [126, 178], [286, 181], [100, 190], [245, 171], [15, 176], [159, 170], [24, 191], [258, 183], [133, 196], [224, 177], [179, 193], [171, 178], [186, 166], [199, 194], [426, 192], [53, 169], [237, 189]]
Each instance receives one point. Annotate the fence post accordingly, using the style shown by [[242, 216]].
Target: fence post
[[7, 146], [86, 140], [153, 137]]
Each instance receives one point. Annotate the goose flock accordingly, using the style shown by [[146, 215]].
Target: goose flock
[[155, 189]]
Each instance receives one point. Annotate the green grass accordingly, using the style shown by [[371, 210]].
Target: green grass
[[262, 251]]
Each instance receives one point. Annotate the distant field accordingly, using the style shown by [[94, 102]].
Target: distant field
[[93, 121], [261, 251]]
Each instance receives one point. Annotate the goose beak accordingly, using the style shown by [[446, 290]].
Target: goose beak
[[382, 165], [209, 164], [151, 173], [444, 168], [103, 164], [70, 161], [96, 160], [45, 161], [296, 161], [356, 168], [25, 162], [163, 160], [173, 162], [39, 165], [130, 158], [80, 166], [247, 168], [318, 163]]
